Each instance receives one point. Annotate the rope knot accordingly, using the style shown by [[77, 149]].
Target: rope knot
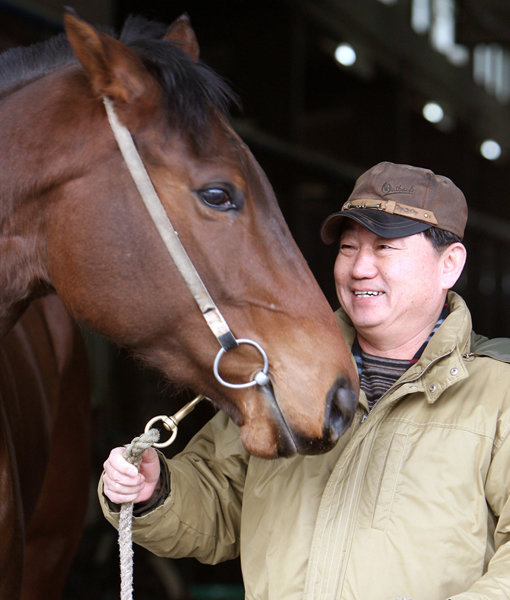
[[134, 450]]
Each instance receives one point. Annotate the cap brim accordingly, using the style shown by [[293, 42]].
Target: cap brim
[[381, 223]]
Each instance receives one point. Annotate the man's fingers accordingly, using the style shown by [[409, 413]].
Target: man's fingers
[[121, 480], [120, 491], [117, 462]]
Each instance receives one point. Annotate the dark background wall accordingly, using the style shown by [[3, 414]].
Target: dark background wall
[[314, 126]]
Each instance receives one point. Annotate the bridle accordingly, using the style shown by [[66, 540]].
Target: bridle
[[212, 315]]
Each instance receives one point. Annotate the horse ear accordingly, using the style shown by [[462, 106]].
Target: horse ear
[[114, 69], [181, 32]]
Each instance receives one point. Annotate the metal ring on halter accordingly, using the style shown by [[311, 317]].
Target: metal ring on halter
[[168, 424], [261, 377]]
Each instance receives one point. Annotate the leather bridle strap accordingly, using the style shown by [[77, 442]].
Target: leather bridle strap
[[182, 261]]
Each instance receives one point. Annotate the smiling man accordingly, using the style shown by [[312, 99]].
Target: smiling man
[[414, 500], [382, 285], [433, 515], [392, 273]]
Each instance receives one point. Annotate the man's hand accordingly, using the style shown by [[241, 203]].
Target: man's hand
[[122, 482]]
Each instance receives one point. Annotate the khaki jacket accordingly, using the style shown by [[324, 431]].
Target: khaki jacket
[[413, 502]]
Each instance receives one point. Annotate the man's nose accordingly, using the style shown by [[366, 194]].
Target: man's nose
[[364, 264]]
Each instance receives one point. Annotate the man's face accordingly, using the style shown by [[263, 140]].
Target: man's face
[[389, 287]]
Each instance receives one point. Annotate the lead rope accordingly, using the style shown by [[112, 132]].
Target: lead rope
[[133, 454]]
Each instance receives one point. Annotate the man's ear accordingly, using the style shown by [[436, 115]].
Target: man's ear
[[453, 259]]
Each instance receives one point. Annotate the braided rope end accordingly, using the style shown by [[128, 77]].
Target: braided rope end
[[134, 450]]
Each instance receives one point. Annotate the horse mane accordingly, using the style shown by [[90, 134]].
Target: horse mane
[[191, 88], [21, 65]]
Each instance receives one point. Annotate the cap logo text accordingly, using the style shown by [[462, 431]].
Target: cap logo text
[[388, 189]]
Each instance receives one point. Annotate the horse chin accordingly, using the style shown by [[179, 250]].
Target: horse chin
[[264, 434], [269, 438], [267, 442]]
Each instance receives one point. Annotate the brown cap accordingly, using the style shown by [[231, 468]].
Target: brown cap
[[399, 200]]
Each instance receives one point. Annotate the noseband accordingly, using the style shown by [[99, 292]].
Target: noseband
[[170, 237]]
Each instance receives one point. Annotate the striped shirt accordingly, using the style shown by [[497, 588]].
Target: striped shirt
[[377, 374]]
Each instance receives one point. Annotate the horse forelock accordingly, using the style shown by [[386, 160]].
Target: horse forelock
[[191, 89]]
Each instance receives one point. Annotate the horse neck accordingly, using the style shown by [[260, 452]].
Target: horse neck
[[37, 157]]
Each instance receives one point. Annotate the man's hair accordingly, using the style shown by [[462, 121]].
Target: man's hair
[[440, 238]]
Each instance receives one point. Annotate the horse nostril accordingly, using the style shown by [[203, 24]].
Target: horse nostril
[[342, 400]]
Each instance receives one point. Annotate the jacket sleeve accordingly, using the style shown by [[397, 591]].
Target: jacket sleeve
[[201, 515], [495, 583]]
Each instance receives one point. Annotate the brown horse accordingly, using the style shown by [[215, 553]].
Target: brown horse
[[72, 221], [44, 450]]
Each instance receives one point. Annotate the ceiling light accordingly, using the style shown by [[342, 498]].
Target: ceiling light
[[490, 150], [458, 55], [442, 30], [345, 55], [420, 15], [433, 112]]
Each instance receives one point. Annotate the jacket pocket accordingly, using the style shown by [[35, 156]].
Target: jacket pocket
[[388, 481]]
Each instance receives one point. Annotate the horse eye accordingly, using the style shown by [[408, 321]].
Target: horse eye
[[217, 197]]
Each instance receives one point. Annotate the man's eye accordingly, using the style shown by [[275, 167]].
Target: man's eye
[[217, 197]]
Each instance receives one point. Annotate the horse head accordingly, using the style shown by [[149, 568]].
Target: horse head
[[104, 257]]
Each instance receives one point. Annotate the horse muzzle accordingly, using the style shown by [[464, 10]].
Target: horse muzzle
[[340, 406]]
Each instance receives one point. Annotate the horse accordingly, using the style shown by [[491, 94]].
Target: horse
[[72, 223], [44, 448]]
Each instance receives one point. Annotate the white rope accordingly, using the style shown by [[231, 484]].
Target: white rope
[[126, 551], [133, 454]]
